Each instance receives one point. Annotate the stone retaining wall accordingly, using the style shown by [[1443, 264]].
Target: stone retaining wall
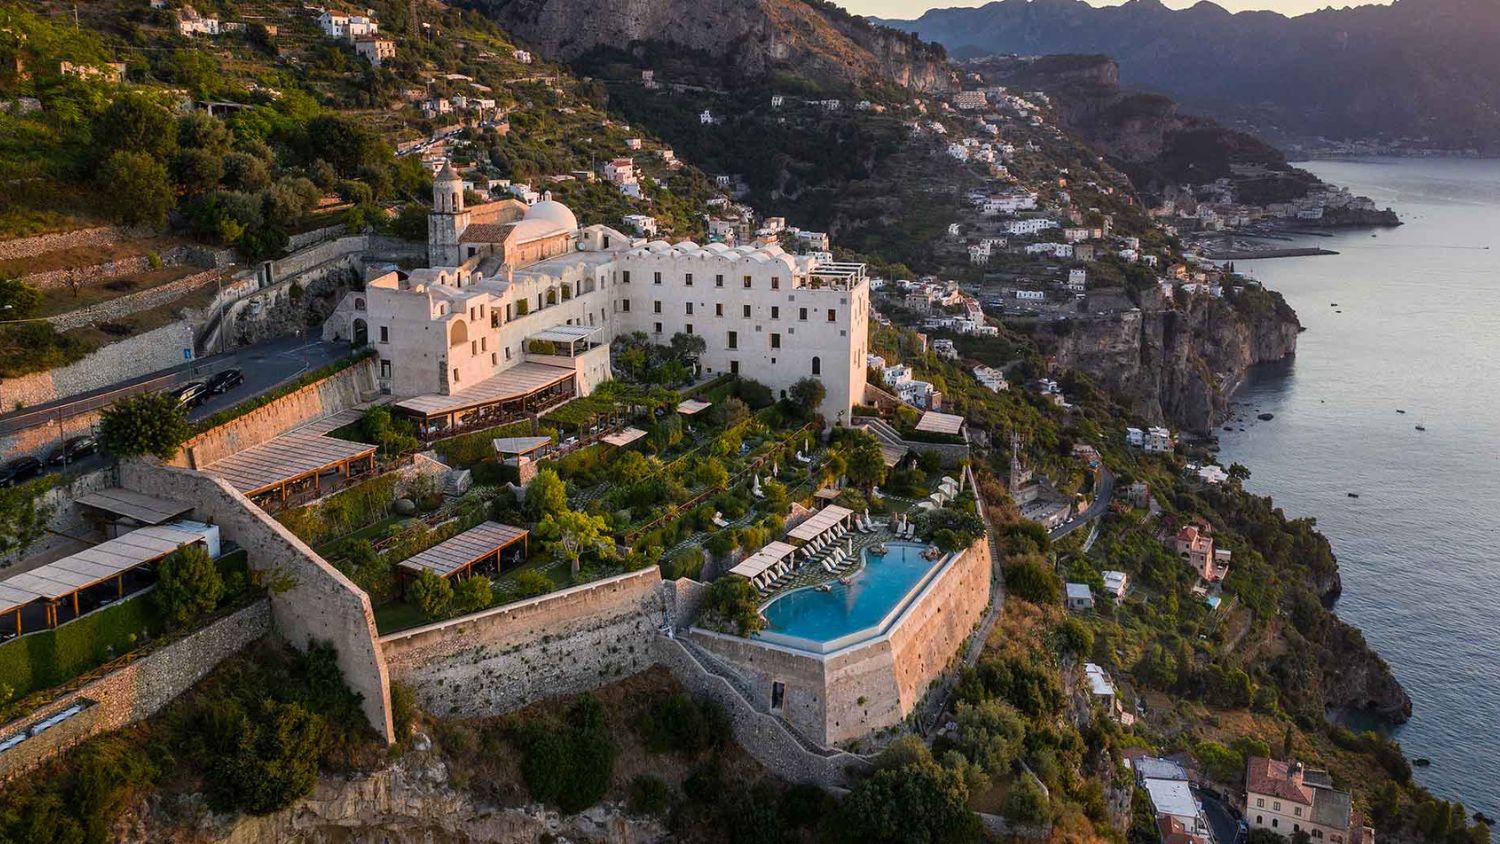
[[132, 357], [310, 599], [130, 265], [133, 691], [762, 735], [130, 303], [67, 525], [27, 247], [340, 391], [502, 659]]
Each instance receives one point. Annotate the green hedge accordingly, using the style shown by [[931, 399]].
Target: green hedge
[[48, 658], [264, 399]]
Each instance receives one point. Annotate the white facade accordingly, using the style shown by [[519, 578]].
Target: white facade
[[763, 313]]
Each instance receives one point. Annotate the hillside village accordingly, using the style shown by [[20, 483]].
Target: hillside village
[[387, 410]]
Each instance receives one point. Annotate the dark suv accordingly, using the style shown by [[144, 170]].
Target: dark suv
[[73, 449], [223, 382], [20, 469]]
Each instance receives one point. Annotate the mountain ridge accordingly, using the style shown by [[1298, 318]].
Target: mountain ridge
[[1415, 72]]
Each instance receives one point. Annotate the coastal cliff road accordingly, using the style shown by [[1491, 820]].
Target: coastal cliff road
[[1094, 511]]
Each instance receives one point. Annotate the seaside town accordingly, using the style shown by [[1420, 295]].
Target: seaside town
[[488, 406]]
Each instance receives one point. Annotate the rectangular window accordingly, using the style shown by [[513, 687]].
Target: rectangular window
[[775, 312], [688, 279], [494, 359], [778, 694], [385, 334], [455, 376], [734, 340], [734, 367], [473, 347], [625, 277], [775, 341], [385, 369], [507, 353], [747, 311], [656, 306], [718, 281], [656, 278], [747, 282], [687, 329], [689, 308], [832, 315], [802, 314], [718, 309], [775, 283], [658, 328], [625, 305]]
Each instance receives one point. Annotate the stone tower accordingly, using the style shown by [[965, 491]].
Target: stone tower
[[448, 220]]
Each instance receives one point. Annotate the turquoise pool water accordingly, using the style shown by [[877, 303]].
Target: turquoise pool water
[[809, 617]]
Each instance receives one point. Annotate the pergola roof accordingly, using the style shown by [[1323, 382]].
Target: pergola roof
[[517, 382], [144, 508], [520, 445], [284, 458], [93, 565], [757, 563], [820, 522], [625, 437], [690, 407], [933, 422], [458, 552], [565, 333]]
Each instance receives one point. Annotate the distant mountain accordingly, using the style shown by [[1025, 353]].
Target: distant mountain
[[1416, 69], [815, 43]]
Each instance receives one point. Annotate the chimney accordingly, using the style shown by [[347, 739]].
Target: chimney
[[1296, 772]]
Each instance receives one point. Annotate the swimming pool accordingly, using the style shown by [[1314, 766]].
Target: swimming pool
[[808, 619]]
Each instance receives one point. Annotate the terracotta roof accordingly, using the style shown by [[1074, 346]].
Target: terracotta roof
[[485, 233], [1274, 777], [1174, 831]]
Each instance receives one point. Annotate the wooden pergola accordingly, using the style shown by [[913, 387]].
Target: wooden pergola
[[458, 555], [61, 583], [278, 464], [509, 395]]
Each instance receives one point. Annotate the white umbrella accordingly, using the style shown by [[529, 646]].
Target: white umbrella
[[775, 470]]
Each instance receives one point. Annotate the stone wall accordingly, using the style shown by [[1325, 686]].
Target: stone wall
[[310, 599], [306, 239], [762, 735], [133, 691], [130, 303], [850, 693], [342, 390], [26, 247], [130, 265], [153, 351], [67, 526], [504, 658]]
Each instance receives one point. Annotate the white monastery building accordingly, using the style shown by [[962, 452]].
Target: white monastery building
[[518, 309]]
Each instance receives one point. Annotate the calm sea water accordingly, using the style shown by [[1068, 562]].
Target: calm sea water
[[1416, 328]]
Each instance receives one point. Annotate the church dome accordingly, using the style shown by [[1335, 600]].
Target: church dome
[[447, 174], [554, 213]]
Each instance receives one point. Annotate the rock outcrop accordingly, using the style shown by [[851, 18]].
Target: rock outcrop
[[411, 802], [1176, 366], [747, 39]]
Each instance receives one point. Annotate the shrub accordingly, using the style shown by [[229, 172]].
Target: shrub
[[1030, 580], [569, 765], [266, 761], [735, 601], [531, 583], [472, 594], [189, 585], [686, 562], [431, 594], [680, 724], [648, 795]]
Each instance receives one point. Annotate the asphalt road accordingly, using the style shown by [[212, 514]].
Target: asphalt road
[[1221, 818], [265, 365], [1106, 492]]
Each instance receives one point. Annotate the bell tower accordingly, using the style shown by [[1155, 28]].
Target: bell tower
[[446, 223]]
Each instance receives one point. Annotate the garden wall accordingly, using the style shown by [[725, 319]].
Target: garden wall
[[340, 391], [132, 357], [26, 247], [133, 691], [505, 658], [310, 599], [123, 306]]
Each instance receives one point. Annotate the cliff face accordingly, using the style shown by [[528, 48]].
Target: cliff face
[[747, 38], [1173, 366]]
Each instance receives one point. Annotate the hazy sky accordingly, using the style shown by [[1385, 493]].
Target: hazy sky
[[914, 8]]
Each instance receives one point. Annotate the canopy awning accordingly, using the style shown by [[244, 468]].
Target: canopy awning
[[519, 381], [285, 459], [933, 422], [692, 407], [457, 553], [93, 565], [819, 523], [520, 445], [146, 509], [756, 564], [625, 437], [565, 333]]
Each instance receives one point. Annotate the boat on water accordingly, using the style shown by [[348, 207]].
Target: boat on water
[[1352, 494], [1421, 427], [1266, 417], [1399, 410]]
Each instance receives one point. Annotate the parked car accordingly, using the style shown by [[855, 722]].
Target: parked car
[[20, 469], [191, 394], [73, 449], [223, 382]]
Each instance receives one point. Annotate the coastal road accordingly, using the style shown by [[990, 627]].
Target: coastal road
[[1106, 491], [1221, 818]]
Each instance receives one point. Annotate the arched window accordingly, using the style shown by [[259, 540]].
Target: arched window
[[552, 296], [458, 334], [567, 292], [359, 304], [817, 365]]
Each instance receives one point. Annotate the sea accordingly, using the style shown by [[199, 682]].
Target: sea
[[1402, 330]]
